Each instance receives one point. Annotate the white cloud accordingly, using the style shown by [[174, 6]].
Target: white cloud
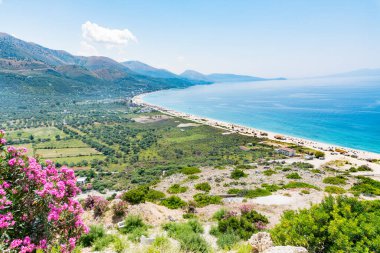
[[92, 32], [87, 49]]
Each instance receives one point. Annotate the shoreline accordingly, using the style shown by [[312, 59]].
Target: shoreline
[[251, 131]]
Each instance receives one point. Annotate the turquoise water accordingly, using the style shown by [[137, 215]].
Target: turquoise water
[[340, 111]]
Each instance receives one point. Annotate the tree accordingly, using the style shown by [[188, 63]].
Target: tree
[[38, 210]]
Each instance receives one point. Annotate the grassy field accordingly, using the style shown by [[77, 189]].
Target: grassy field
[[66, 152], [39, 132]]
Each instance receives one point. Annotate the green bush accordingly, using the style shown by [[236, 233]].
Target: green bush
[[137, 195], [232, 227], [334, 189], [176, 188], [339, 224], [366, 186], [135, 227], [334, 180], [193, 177], [319, 154], [292, 185], [154, 195], [188, 235], [237, 174], [203, 187], [303, 165], [271, 187], [119, 245], [226, 241], [189, 216], [173, 202], [360, 168], [96, 232], [233, 191], [269, 173], [190, 170], [294, 175], [203, 200], [258, 192], [103, 242]]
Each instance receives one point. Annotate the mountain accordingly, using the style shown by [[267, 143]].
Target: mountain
[[221, 78], [358, 72], [147, 70], [30, 68]]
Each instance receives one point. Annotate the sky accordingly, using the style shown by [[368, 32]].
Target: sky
[[267, 38]]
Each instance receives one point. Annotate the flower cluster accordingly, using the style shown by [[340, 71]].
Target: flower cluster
[[96, 203], [38, 209]]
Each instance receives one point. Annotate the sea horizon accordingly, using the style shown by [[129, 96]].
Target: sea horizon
[[338, 111]]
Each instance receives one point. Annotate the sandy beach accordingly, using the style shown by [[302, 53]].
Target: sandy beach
[[357, 156]]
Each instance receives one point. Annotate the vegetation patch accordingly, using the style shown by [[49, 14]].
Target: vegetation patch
[[173, 202], [233, 227], [367, 186], [294, 175], [189, 236], [334, 189], [202, 199], [269, 172], [176, 188], [206, 187], [134, 227], [237, 174], [339, 180], [190, 170], [339, 224], [292, 185]]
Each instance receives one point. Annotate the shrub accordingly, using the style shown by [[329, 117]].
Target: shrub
[[188, 235], [136, 196], [258, 192], [360, 168], [294, 175], [37, 203], [119, 209], [119, 245], [233, 227], [303, 165], [292, 185], [135, 227], [271, 187], [237, 174], [193, 177], [269, 173], [176, 188], [95, 232], [103, 242], [319, 154], [154, 195], [305, 192], [334, 180], [100, 207], [141, 194], [173, 202], [334, 189], [227, 240], [339, 224], [203, 187], [203, 200], [190, 170], [233, 191], [366, 186], [189, 216]]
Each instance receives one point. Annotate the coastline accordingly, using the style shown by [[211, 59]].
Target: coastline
[[250, 131]]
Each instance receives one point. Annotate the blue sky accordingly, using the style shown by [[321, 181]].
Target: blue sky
[[267, 38]]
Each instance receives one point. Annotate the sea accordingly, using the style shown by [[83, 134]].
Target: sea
[[343, 111]]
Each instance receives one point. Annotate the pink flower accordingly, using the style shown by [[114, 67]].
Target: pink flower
[[15, 243]]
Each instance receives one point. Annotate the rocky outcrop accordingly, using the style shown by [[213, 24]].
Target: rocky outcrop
[[262, 243]]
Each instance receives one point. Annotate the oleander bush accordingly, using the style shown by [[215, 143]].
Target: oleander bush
[[38, 209], [206, 187], [119, 208], [339, 224]]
